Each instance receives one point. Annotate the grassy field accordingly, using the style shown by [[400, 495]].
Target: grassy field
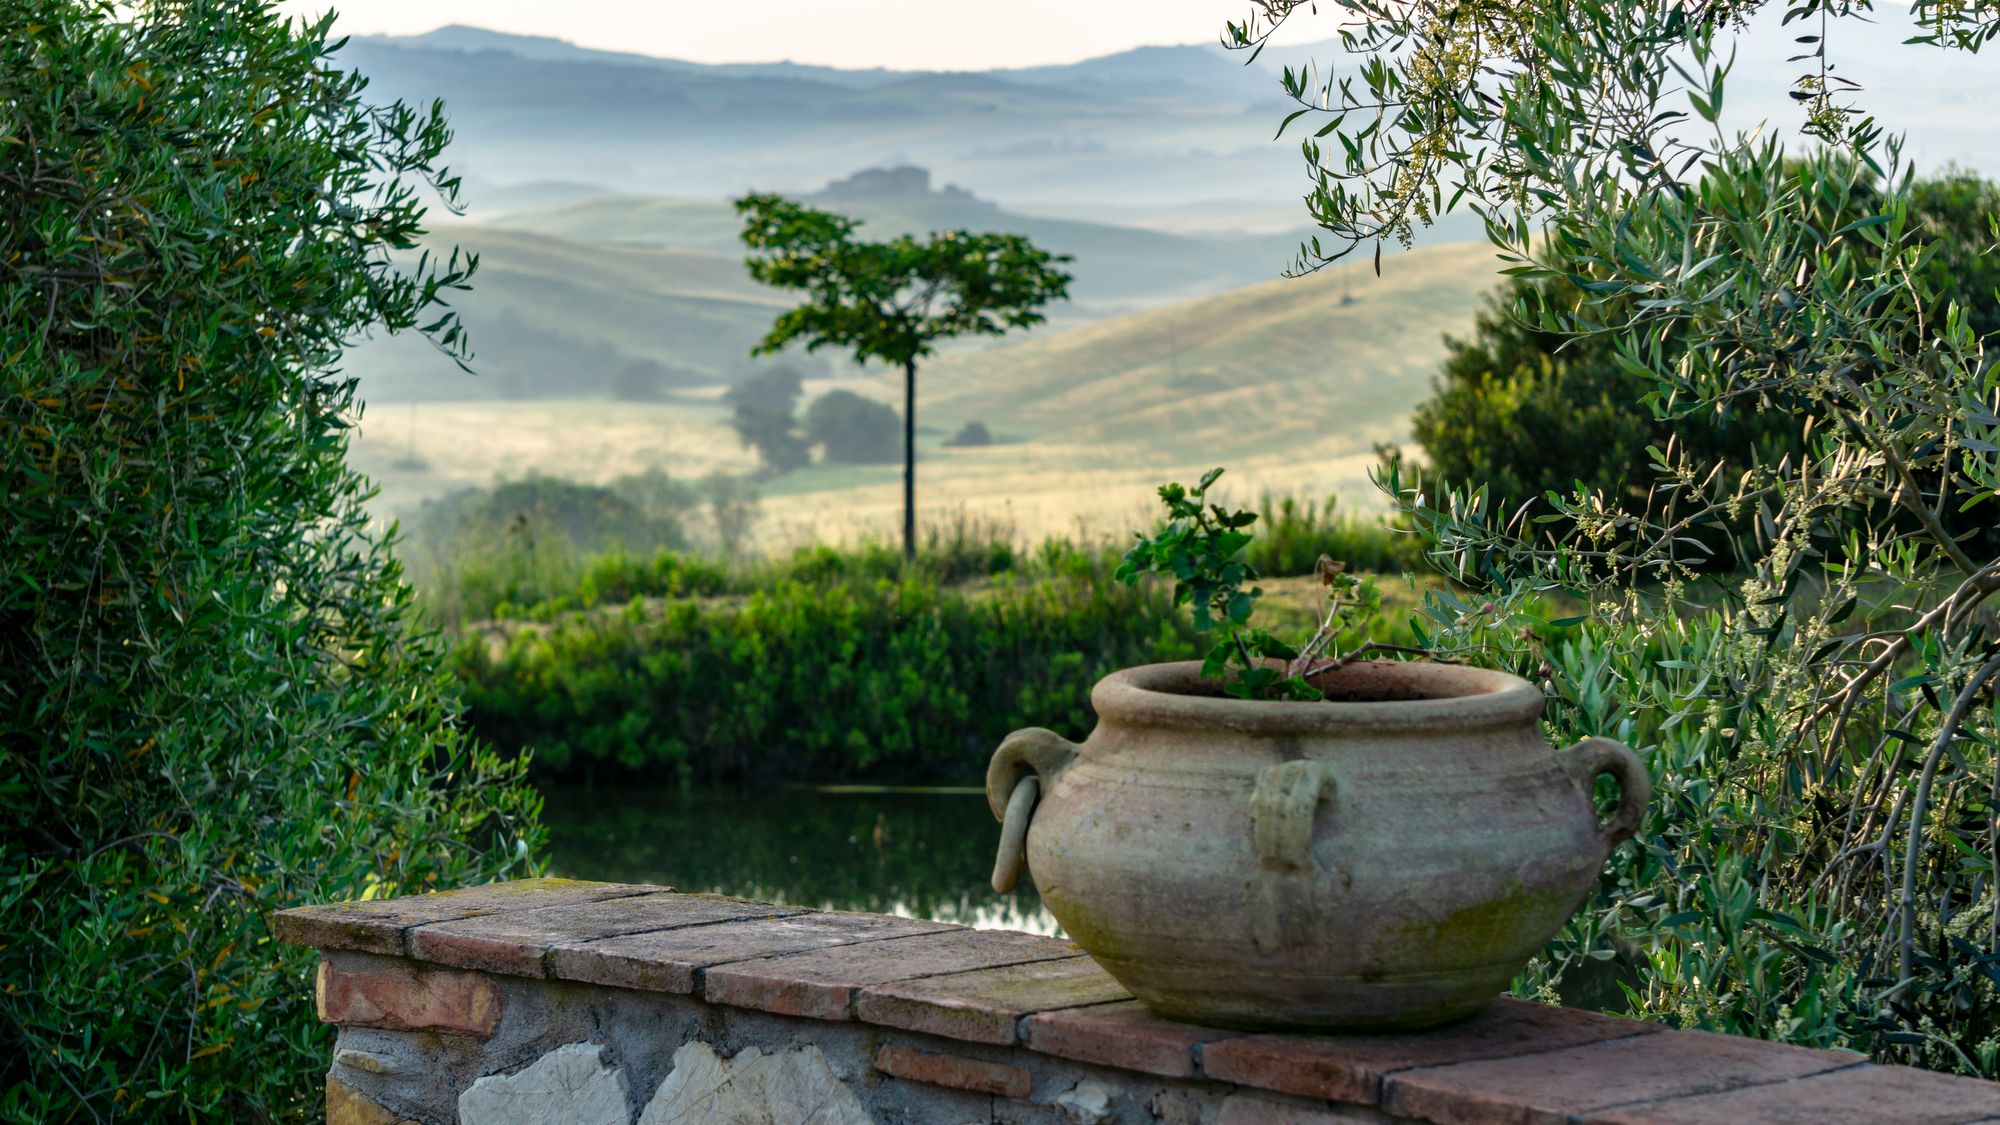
[[1288, 383]]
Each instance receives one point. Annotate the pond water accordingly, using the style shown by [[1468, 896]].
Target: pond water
[[915, 853]]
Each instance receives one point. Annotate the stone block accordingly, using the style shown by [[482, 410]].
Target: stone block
[[823, 984], [955, 1071], [571, 1085], [752, 1087], [668, 960], [1128, 1035], [1858, 1095], [516, 942], [1349, 1068], [1551, 1087], [409, 997], [380, 925], [987, 1005], [346, 1105]]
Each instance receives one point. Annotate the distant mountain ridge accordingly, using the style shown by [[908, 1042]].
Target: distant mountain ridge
[[1153, 130], [1153, 125], [1175, 62]]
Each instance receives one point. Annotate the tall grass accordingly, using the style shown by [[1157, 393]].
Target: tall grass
[[1293, 532]]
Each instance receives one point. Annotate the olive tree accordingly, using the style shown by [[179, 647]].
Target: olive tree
[[893, 301], [214, 703], [1821, 862]]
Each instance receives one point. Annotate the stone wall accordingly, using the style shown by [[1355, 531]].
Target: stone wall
[[557, 1001]]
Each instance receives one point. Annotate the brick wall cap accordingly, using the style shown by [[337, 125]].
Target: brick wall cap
[[1516, 1061]]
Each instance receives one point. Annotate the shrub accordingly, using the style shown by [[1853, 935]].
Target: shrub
[[1292, 533], [970, 435], [1821, 861], [852, 430], [839, 669], [637, 513], [765, 414], [1525, 408], [212, 702]]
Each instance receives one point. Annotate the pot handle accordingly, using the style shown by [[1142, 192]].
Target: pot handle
[[1593, 757], [1282, 809], [1027, 762]]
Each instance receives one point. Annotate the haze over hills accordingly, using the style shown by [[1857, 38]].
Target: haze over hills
[[568, 296], [599, 180], [1328, 363], [1137, 135], [1117, 268], [1152, 126], [1290, 383]]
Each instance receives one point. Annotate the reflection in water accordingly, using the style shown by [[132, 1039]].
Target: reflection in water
[[916, 854]]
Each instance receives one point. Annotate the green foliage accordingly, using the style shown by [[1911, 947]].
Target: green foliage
[[835, 665], [852, 430], [892, 301], [1527, 409], [1200, 547], [486, 552], [1293, 534], [1821, 862], [213, 704], [641, 513]]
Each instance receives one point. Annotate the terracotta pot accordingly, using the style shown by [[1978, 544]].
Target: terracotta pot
[[1388, 859]]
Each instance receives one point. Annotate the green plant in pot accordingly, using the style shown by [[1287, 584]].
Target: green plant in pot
[[1282, 836]]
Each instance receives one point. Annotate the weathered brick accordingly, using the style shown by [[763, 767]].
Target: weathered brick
[[409, 997], [955, 1071], [1349, 1068], [381, 925], [1861, 1095], [516, 942], [1550, 1087], [1129, 1036], [346, 1105], [987, 1005], [667, 961], [1250, 1109], [822, 984]]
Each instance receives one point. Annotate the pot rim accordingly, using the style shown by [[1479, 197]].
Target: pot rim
[[1448, 697]]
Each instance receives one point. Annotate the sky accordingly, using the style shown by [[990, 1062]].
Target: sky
[[899, 34]]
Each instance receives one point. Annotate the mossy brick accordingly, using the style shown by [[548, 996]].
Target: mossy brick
[[669, 960], [987, 1005], [1857, 1095], [954, 1071], [1551, 1087], [1350, 1068], [517, 942], [1128, 1035], [382, 925], [823, 984]]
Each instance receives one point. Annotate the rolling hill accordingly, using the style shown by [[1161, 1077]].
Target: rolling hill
[[1117, 268], [1327, 363], [568, 296], [1152, 131], [553, 317], [1289, 383]]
